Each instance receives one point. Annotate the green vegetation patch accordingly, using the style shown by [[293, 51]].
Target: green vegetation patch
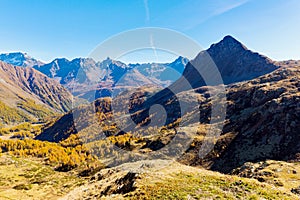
[[9, 115], [37, 110]]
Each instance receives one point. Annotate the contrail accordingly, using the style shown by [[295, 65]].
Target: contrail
[[147, 10], [228, 8], [153, 46], [218, 12]]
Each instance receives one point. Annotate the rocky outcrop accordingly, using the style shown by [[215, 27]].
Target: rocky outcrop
[[113, 182]]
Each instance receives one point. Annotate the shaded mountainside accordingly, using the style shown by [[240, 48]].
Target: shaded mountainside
[[26, 90], [234, 61], [264, 120], [231, 58], [262, 123]]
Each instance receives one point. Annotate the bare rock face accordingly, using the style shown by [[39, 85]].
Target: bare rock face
[[296, 190]]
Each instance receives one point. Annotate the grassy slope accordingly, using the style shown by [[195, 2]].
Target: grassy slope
[[22, 178], [176, 181], [12, 115], [183, 182], [26, 110]]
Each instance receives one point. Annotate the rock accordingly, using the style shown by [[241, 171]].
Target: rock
[[296, 190]]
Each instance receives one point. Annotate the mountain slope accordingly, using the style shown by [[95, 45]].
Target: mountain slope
[[233, 60], [264, 120], [240, 65], [262, 123], [21, 88], [149, 180]]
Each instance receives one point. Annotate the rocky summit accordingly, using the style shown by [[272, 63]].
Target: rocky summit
[[233, 60]]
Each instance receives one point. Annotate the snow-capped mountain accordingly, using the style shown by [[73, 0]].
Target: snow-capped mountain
[[19, 59]]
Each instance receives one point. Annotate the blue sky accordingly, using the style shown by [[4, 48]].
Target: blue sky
[[73, 28]]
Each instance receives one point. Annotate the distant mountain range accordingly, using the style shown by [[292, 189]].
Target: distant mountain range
[[89, 79]]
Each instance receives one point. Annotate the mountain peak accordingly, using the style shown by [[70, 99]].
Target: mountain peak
[[228, 43], [60, 59], [179, 63], [181, 59], [83, 60], [229, 38], [108, 58], [234, 61]]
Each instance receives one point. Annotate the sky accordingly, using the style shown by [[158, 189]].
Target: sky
[[74, 28]]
